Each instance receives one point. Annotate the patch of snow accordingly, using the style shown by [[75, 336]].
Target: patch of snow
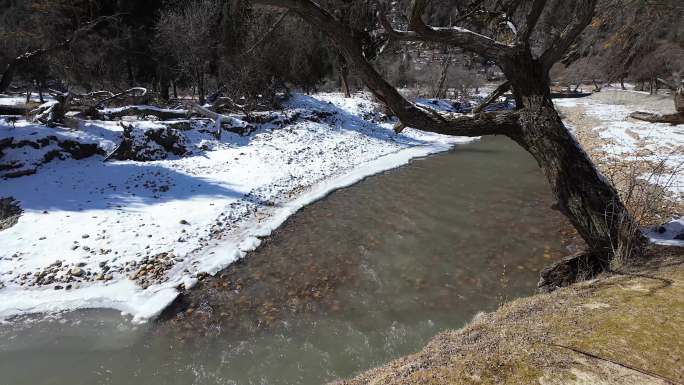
[[669, 234]]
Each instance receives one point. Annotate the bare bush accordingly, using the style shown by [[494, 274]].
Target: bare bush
[[644, 183]]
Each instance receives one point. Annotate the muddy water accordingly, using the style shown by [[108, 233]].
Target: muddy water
[[368, 274]]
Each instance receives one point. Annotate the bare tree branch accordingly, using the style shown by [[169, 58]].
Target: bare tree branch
[[268, 33], [500, 90], [408, 113], [531, 22], [461, 37], [584, 11]]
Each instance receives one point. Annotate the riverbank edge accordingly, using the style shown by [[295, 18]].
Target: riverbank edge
[[622, 327]]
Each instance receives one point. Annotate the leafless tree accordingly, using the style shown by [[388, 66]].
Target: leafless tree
[[189, 35], [541, 33]]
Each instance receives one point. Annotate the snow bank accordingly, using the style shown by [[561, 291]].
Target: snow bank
[[125, 234]]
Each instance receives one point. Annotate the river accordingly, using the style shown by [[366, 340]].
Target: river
[[368, 274]]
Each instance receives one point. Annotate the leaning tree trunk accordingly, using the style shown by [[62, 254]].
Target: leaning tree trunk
[[582, 194]]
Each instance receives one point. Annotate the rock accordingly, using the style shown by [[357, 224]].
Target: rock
[[9, 212], [84, 236], [76, 272], [184, 222], [59, 287]]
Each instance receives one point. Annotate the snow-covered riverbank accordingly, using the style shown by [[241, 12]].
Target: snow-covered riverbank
[[624, 148], [126, 234]]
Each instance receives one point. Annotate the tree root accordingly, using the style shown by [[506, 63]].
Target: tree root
[[576, 267]]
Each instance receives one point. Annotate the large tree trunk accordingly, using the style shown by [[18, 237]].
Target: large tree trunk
[[586, 198], [441, 89]]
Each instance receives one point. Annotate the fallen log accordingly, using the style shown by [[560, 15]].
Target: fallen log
[[569, 95], [129, 92], [234, 125], [140, 111], [673, 119]]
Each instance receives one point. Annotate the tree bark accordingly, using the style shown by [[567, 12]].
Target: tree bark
[[164, 87], [40, 91], [441, 89], [200, 88], [343, 70]]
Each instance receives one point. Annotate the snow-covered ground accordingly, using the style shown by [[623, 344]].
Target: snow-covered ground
[[624, 137], [126, 234], [603, 125]]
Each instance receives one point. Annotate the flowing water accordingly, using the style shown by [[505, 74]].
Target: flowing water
[[366, 275]]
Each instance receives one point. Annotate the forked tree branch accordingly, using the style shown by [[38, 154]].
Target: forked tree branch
[[531, 21], [461, 37], [408, 113], [584, 12]]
